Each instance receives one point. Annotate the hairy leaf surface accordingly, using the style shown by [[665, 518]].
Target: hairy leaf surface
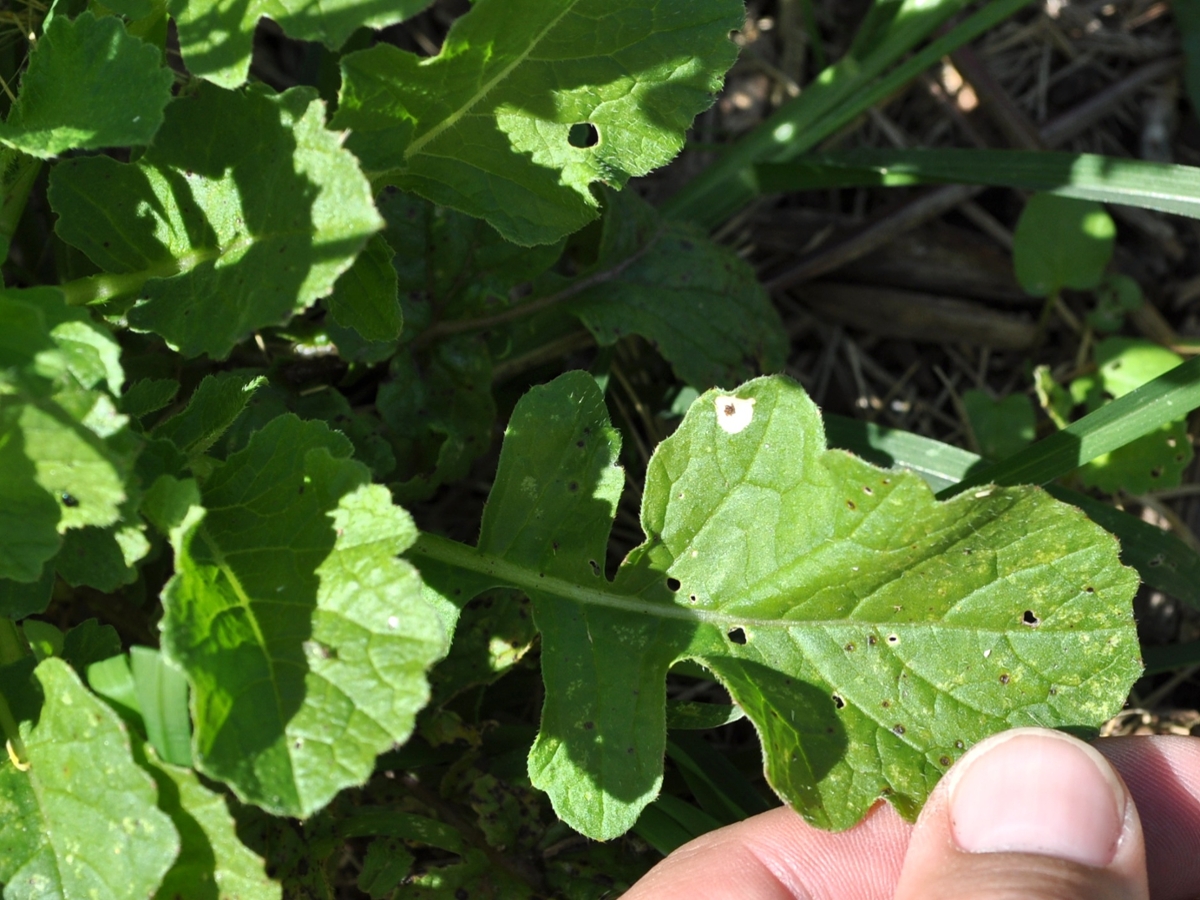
[[89, 85], [486, 126], [217, 39], [304, 639], [870, 633], [93, 838], [243, 212]]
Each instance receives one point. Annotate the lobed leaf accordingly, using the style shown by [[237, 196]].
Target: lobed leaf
[[870, 633], [243, 212], [89, 84], [304, 640], [96, 836], [485, 127]]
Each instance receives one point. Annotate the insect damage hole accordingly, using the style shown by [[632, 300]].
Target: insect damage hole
[[583, 135], [737, 635], [838, 701], [734, 413], [1030, 619], [673, 585]]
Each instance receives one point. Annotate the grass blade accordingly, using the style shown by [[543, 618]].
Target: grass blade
[[162, 692], [1168, 397], [837, 96], [1083, 176]]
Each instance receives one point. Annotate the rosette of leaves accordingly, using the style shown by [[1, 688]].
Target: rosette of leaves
[[870, 633]]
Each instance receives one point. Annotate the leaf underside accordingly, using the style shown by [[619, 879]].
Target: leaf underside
[[870, 633]]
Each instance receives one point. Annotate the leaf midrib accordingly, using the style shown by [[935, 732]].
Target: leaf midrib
[[462, 556], [485, 89]]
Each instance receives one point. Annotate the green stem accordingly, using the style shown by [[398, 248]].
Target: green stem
[[839, 95], [106, 285]]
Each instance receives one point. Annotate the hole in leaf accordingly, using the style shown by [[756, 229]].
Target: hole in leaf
[[69, 501], [588, 726], [838, 701], [1030, 619], [692, 597], [893, 639], [1004, 678], [867, 490], [945, 760], [850, 504], [595, 567], [673, 584], [850, 648], [871, 640], [898, 729], [583, 135], [737, 635]]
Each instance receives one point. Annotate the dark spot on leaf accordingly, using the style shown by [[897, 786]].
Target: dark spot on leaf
[[886, 481], [1030, 619], [573, 486], [737, 635], [673, 584], [554, 545], [893, 639], [1156, 472], [850, 648], [1091, 590], [629, 750], [871, 640], [589, 726], [838, 701], [886, 704], [583, 135], [581, 444], [898, 729], [945, 760], [850, 504], [1004, 678], [106, 243], [1053, 692], [730, 409], [692, 597], [69, 501], [595, 567], [867, 489]]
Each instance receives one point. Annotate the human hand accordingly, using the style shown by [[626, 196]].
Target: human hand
[[1030, 813]]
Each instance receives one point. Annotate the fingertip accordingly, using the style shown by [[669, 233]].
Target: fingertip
[[1031, 813]]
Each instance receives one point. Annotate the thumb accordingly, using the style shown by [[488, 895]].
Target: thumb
[[1032, 814]]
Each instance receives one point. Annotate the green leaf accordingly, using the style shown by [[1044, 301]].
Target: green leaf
[[1061, 243], [1116, 296], [103, 558], [66, 456], [1162, 560], [439, 414], [699, 716], [364, 298], [89, 85], [217, 402], [147, 396], [305, 641], [45, 640], [386, 864], [217, 39], [485, 126], [90, 642], [102, 838], [699, 303], [162, 695], [212, 862], [1002, 427], [1155, 460], [493, 634], [18, 600], [870, 633], [451, 265], [243, 212]]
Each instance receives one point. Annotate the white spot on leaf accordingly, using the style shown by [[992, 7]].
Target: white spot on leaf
[[734, 413]]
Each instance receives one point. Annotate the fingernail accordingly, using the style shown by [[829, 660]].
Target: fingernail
[[1036, 791]]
